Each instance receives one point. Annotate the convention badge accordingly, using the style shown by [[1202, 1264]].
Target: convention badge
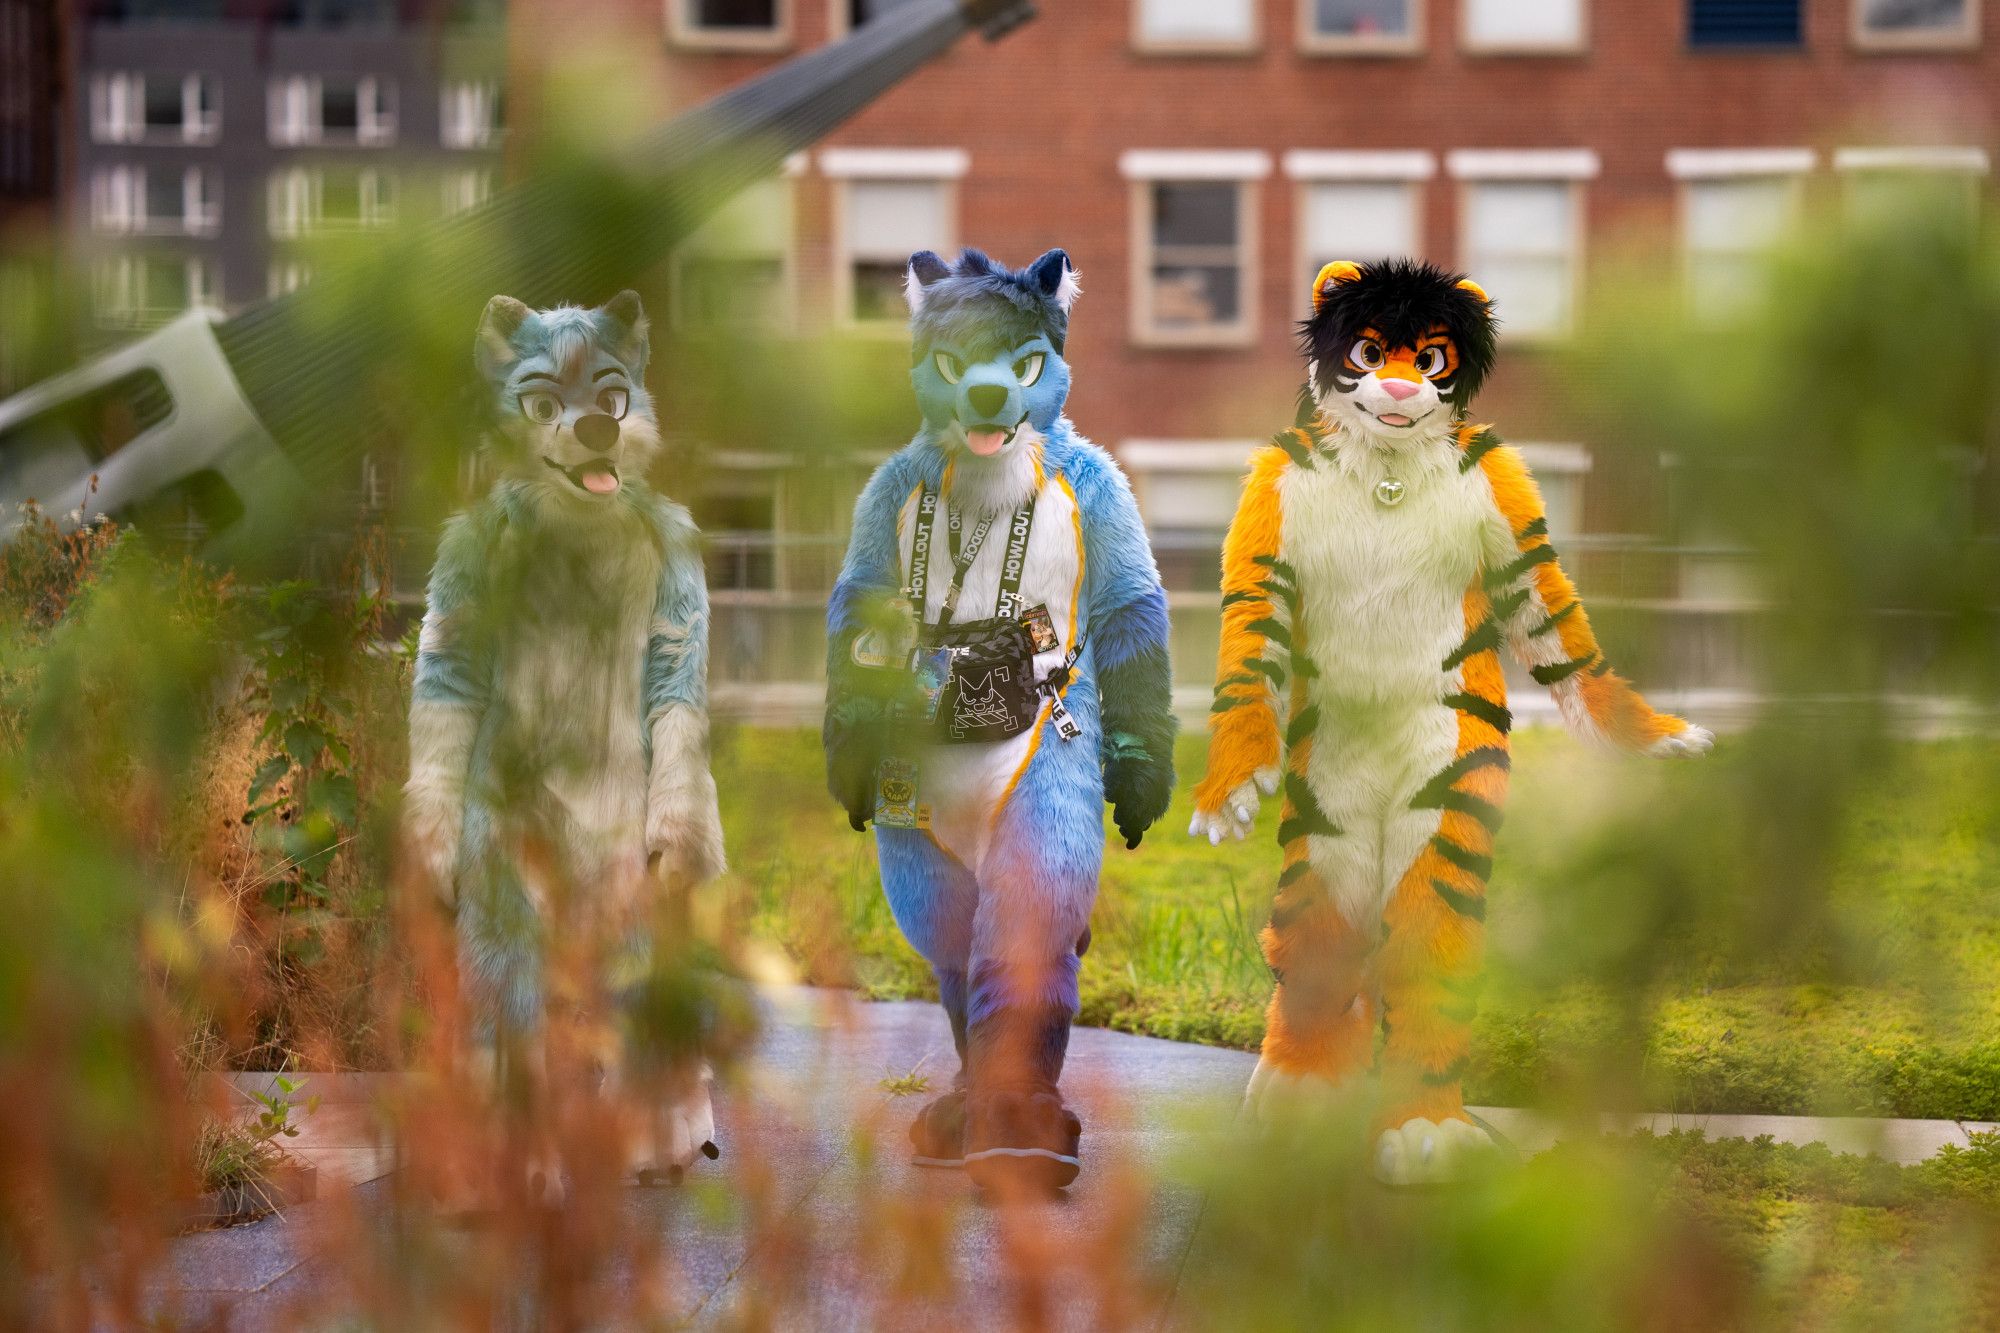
[[1066, 723], [1041, 629], [896, 795], [933, 671], [879, 649]]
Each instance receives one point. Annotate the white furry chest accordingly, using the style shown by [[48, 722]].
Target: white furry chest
[[572, 674], [1383, 585], [963, 785]]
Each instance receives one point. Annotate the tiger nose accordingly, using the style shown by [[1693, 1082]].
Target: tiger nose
[[986, 399], [1399, 389], [597, 431]]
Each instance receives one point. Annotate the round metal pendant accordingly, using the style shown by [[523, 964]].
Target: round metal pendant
[[1389, 492]]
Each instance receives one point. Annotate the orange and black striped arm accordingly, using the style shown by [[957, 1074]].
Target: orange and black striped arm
[[1537, 613], [1259, 599]]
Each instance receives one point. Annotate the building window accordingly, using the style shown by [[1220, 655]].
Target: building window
[[734, 275], [469, 115], [891, 203], [1521, 233], [466, 190], [139, 291], [740, 25], [286, 275], [156, 201], [1902, 25], [1528, 27], [1187, 491], [157, 108], [740, 513], [305, 200], [331, 109], [1882, 186], [1745, 23], [1560, 470], [1361, 27], [1356, 205], [853, 13], [1194, 25], [1736, 206], [1194, 225]]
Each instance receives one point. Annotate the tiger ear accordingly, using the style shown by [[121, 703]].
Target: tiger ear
[[1339, 271], [1468, 285]]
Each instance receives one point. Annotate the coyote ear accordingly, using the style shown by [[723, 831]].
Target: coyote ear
[[629, 327], [1468, 285], [927, 269], [493, 346], [1055, 279], [1339, 271]]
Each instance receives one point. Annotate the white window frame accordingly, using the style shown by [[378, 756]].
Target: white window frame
[[118, 109], [118, 202], [1412, 168], [1694, 167], [684, 32], [1570, 167], [1313, 42], [1974, 164], [1246, 169], [119, 280], [1473, 45], [846, 167], [462, 189], [1569, 463], [295, 108], [286, 275], [1252, 42], [297, 201], [1965, 37], [468, 113], [787, 257]]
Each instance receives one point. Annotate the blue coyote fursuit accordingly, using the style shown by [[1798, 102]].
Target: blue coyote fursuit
[[559, 719], [997, 672]]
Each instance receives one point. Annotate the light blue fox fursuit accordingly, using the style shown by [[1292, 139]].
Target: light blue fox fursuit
[[559, 726], [990, 847]]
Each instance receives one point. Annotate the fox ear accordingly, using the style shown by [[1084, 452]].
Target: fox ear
[[493, 346], [927, 269], [1339, 271], [629, 328], [1468, 285], [1055, 279]]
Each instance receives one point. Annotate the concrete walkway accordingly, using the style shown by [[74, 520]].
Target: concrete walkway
[[790, 1132]]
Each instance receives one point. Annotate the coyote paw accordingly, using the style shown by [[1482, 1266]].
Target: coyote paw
[[1423, 1152], [681, 1130]]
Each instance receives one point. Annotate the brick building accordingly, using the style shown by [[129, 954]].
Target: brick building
[[32, 91], [1200, 159]]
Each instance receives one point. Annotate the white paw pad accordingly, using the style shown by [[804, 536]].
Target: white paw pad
[[1423, 1152], [1689, 743]]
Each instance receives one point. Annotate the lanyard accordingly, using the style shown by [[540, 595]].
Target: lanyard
[[1011, 569]]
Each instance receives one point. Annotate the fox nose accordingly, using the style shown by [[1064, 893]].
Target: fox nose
[[597, 431], [986, 399], [1399, 389]]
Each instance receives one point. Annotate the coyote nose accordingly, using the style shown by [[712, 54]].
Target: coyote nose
[[1399, 389], [597, 431], [986, 399]]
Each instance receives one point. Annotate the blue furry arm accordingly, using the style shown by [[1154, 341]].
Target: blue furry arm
[[1127, 627], [683, 821], [449, 694], [857, 711]]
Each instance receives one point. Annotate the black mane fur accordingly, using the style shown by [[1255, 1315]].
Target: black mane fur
[[1403, 299]]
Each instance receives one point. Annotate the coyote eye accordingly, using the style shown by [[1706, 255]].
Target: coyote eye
[[1368, 355], [950, 367], [541, 408], [1431, 362], [1029, 369], [613, 402]]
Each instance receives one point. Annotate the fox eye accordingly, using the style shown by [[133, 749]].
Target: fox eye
[[1431, 362], [1368, 355], [541, 408], [1028, 369], [950, 367], [613, 402]]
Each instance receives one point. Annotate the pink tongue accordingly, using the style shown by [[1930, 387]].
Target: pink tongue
[[985, 443], [1394, 419], [600, 481]]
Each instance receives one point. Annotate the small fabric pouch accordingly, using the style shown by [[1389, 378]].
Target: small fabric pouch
[[991, 694]]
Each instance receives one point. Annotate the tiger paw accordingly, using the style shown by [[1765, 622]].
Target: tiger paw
[[1237, 814], [1426, 1152], [1691, 742]]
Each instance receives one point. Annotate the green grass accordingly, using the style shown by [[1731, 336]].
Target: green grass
[[1878, 995]]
